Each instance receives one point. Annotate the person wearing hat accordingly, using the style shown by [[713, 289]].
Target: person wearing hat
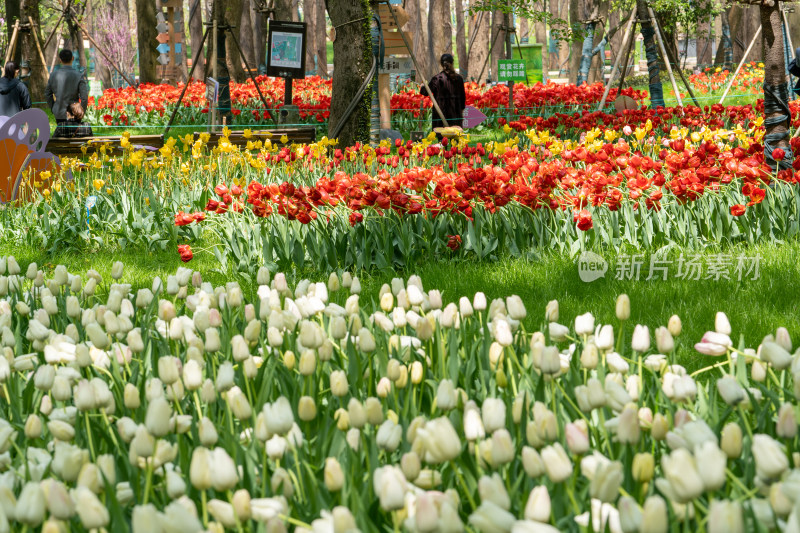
[[794, 70], [447, 88]]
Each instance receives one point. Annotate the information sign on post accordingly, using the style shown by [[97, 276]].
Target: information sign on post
[[95, 88], [510, 70], [212, 96], [286, 58]]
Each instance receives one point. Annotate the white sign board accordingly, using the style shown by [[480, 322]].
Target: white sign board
[[95, 88], [397, 65]]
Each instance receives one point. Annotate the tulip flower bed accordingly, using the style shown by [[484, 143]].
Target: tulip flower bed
[[187, 407], [151, 105], [640, 180], [750, 80]]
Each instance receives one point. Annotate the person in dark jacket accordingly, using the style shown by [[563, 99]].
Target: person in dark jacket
[[448, 90], [66, 86], [14, 95]]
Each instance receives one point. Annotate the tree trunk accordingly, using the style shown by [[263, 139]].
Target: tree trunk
[[353, 51], [776, 89], [440, 30], [233, 16], [322, 40], [725, 49], [146, 38], [653, 71], [461, 39], [538, 34], [310, 18], [12, 14], [246, 34], [497, 44], [704, 41], [600, 42], [102, 69], [196, 36], [478, 45], [283, 10], [30, 53], [575, 45], [743, 34], [418, 23]]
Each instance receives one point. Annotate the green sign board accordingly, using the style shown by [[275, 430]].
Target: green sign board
[[511, 70], [532, 55]]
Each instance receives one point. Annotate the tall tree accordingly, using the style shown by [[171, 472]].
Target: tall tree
[[353, 51], [479, 36], [440, 30], [704, 42], [725, 48], [146, 34], [777, 116], [497, 45], [653, 71], [310, 18], [321, 40], [575, 45], [12, 13], [246, 34], [461, 39], [283, 10], [596, 19], [232, 17], [196, 37], [418, 23], [30, 52]]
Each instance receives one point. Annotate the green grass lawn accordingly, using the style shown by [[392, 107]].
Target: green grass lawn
[[755, 308]]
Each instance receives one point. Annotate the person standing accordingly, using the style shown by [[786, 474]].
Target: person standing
[[448, 90], [66, 88], [14, 95]]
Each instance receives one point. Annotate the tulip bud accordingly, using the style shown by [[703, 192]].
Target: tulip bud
[[769, 456], [606, 481], [30, 507], [721, 323], [157, 419], [333, 282], [556, 463], [224, 474], [787, 422], [660, 427], [334, 477], [630, 515], [680, 469], [643, 467], [725, 516], [446, 395], [654, 516], [389, 435], [551, 311], [338, 383], [714, 462], [538, 506], [731, 440], [306, 409], [417, 372], [410, 465], [502, 450], [492, 489], [664, 341], [239, 404], [623, 307]]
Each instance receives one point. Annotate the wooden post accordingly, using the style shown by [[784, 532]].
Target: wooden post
[[12, 44], [617, 60], [664, 56], [35, 36], [385, 99], [741, 64]]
